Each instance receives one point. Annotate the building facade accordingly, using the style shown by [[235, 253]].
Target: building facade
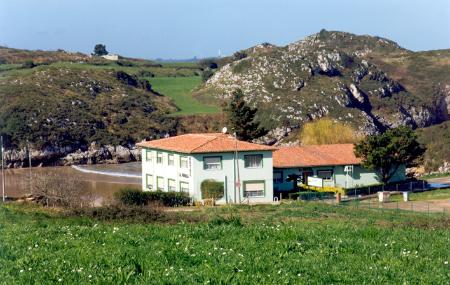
[[182, 163], [325, 166]]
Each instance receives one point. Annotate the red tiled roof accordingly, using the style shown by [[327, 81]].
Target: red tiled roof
[[203, 143], [315, 155]]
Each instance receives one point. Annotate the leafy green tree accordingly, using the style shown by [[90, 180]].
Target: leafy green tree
[[100, 50], [241, 118], [386, 152]]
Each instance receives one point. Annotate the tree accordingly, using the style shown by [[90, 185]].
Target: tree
[[241, 118], [239, 55], [100, 50], [386, 152], [327, 131]]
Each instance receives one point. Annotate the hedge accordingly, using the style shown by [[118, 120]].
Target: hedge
[[212, 189], [137, 197]]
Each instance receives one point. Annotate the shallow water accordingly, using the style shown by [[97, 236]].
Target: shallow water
[[101, 180]]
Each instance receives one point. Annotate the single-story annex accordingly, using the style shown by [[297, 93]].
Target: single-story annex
[[249, 172]]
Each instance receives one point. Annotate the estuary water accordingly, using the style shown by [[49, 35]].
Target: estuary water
[[102, 180]]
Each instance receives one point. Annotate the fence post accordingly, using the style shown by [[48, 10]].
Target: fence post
[[410, 186], [369, 190], [423, 184], [396, 187]]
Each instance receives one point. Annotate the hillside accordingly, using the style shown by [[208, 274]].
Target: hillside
[[369, 82], [62, 109], [437, 140]]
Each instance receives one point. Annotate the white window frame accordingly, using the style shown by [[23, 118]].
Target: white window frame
[[159, 155], [169, 187], [212, 165], [186, 188], [323, 177], [146, 182], [171, 159], [148, 155], [182, 158], [158, 186], [258, 193], [250, 156]]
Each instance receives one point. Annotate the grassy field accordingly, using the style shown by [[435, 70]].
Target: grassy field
[[298, 243], [439, 194], [179, 89]]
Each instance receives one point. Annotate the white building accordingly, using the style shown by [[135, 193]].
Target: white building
[[114, 57], [183, 162]]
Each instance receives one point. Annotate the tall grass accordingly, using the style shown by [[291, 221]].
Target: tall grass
[[295, 244]]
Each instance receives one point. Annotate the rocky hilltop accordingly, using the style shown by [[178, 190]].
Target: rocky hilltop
[[369, 82]]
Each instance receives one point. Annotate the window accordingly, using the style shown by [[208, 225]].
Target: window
[[277, 177], [159, 183], [325, 174], [148, 155], [254, 188], [184, 186], [253, 161], [184, 162], [149, 181], [171, 185], [212, 163], [159, 157], [171, 159]]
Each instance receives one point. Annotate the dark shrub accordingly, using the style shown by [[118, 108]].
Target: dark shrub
[[170, 199], [212, 189], [146, 73], [28, 64], [124, 63], [231, 220], [208, 63], [206, 74], [130, 196], [239, 55], [120, 212], [137, 197]]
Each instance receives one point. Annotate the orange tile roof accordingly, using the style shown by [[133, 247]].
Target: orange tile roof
[[203, 143], [315, 155]]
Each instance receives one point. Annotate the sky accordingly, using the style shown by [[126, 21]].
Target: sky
[[186, 28]]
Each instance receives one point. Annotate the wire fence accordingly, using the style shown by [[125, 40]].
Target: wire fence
[[368, 198]]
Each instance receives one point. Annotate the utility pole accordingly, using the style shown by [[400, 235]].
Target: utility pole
[[29, 163], [2, 150], [238, 181]]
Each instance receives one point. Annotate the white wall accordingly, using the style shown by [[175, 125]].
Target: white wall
[[228, 173], [167, 172], [195, 174]]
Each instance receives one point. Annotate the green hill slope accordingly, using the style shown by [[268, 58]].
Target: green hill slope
[[368, 82], [65, 106]]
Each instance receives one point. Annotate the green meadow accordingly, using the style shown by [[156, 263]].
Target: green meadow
[[180, 89], [296, 243]]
